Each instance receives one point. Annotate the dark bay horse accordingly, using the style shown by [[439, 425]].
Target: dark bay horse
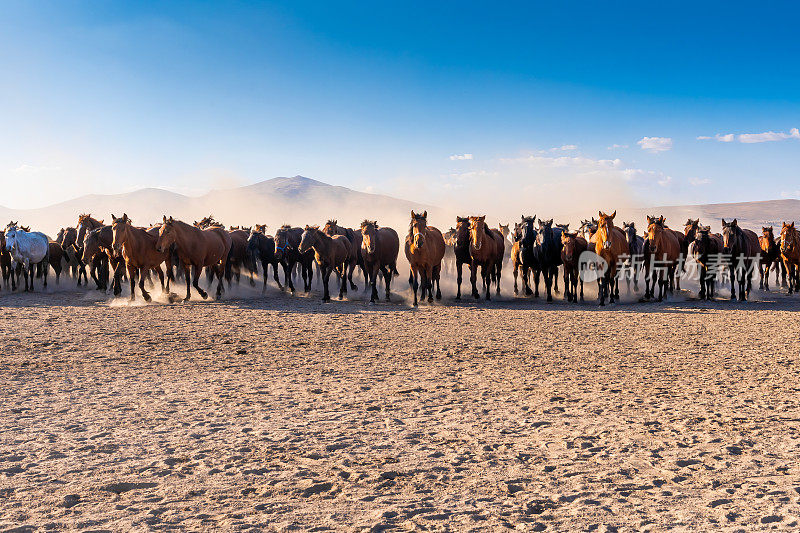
[[97, 252], [486, 248], [332, 228], [196, 248], [137, 247], [572, 246], [635, 254], [742, 246], [67, 238], [379, 250], [610, 244], [548, 256], [237, 257], [461, 251], [287, 244], [332, 253], [424, 249], [705, 250], [56, 259], [528, 258], [5, 263], [261, 249], [770, 255], [790, 253]]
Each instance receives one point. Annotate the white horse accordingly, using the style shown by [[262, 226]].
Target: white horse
[[29, 250]]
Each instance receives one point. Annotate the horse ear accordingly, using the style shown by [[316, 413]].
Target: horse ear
[[113, 217], [723, 221], [124, 216], [734, 222], [102, 221], [412, 214], [522, 217], [483, 218], [613, 214], [165, 219], [425, 214], [171, 219], [650, 220], [600, 214]]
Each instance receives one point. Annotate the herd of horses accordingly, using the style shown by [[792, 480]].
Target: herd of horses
[[174, 250]]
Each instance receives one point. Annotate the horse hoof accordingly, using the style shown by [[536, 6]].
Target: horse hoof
[[186, 299], [147, 299]]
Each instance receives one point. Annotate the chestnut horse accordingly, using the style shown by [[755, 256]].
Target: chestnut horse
[[572, 246], [331, 253], [666, 254], [486, 248], [790, 253], [743, 248], [424, 250], [137, 246], [196, 248], [610, 244], [379, 249]]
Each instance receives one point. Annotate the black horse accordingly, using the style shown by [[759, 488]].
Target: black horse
[[261, 248], [287, 242], [548, 256], [635, 254], [461, 250], [528, 257], [706, 247]]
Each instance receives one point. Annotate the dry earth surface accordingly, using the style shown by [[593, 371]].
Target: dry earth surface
[[284, 413]]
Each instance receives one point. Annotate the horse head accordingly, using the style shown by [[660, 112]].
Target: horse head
[[166, 234], [605, 228], [477, 230], [568, 244], [418, 227], [119, 228], [730, 233], [369, 235], [788, 238], [309, 239]]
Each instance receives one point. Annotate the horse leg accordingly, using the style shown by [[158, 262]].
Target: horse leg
[[326, 274], [220, 270], [762, 268], [499, 271], [412, 280], [143, 272], [459, 266], [344, 280], [516, 271], [536, 274], [132, 278], [486, 274], [428, 280], [732, 275], [350, 270], [548, 283], [387, 280], [473, 277]]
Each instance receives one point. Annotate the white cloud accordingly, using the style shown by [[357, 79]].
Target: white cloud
[[460, 157], [32, 169], [696, 182], [655, 144], [751, 138], [617, 146], [564, 148], [769, 136], [726, 138]]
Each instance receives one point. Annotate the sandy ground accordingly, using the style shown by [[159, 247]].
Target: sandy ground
[[284, 413]]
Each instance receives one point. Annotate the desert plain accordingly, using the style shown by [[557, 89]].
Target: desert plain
[[284, 413]]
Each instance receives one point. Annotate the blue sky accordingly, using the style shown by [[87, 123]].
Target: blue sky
[[442, 103]]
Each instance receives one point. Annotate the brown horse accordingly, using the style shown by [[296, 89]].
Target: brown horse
[[790, 253], [56, 258], [332, 253], [572, 246], [666, 253], [610, 244], [196, 248], [379, 248], [516, 260], [424, 250], [97, 252], [137, 246], [356, 259], [486, 248], [461, 250]]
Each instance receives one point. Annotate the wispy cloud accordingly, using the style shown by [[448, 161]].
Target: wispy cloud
[[564, 148], [752, 138], [460, 157], [32, 169], [697, 182], [617, 146], [655, 144], [726, 138]]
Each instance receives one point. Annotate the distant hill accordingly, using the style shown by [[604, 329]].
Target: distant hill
[[297, 201], [300, 200]]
